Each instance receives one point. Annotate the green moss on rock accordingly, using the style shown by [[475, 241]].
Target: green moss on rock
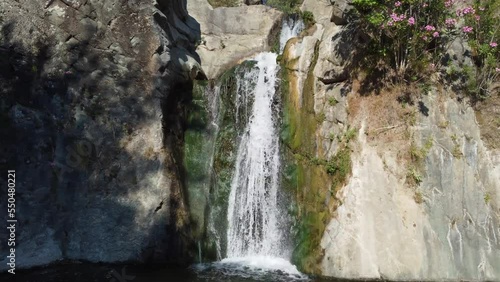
[[312, 179]]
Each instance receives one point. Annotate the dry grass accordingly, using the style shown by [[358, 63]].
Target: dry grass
[[488, 117], [388, 127], [386, 119], [224, 3]]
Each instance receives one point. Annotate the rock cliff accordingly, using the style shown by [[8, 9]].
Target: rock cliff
[[116, 155], [92, 124], [421, 201]]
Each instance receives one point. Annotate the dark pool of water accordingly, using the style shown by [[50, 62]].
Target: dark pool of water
[[83, 272]]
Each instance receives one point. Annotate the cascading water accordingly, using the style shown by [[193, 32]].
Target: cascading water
[[255, 231], [291, 28], [256, 235], [253, 208]]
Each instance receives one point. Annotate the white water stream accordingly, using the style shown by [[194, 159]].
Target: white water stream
[[256, 236]]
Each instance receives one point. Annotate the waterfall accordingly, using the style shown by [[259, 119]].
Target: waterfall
[[256, 222], [253, 208], [290, 28]]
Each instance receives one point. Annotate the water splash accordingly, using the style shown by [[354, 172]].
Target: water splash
[[256, 268]]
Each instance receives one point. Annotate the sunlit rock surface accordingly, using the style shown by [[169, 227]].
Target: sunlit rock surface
[[451, 231], [229, 35]]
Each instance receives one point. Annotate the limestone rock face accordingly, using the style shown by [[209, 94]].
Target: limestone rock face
[[90, 95], [230, 35], [333, 54], [446, 227], [321, 9], [447, 230]]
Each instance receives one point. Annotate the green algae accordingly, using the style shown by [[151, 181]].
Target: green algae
[[312, 179], [210, 155]]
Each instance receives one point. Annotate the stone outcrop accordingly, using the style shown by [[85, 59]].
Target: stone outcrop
[[329, 75], [91, 122], [334, 53], [231, 34]]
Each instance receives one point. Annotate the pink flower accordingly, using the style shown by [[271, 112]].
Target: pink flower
[[424, 38], [432, 66], [450, 22], [449, 3], [411, 21], [468, 10], [467, 29], [477, 17], [390, 23], [435, 34], [429, 28], [397, 18], [397, 4], [497, 69], [493, 44], [481, 8], [425, 5]]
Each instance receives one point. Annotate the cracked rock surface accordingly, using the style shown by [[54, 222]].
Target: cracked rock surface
[[90, 113]]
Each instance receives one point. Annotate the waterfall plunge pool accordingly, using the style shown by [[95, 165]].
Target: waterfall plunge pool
[[231, 270]]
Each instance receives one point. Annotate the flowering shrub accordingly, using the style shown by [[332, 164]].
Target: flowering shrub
[[405, 34], [483, 21], [410, 37]]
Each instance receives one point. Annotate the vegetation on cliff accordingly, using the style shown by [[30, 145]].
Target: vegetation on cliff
[[312, 178], [411, 40]]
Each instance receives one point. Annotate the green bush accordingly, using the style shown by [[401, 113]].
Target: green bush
[[287, 6], [484, 40], [307, 18], [407, 39]]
